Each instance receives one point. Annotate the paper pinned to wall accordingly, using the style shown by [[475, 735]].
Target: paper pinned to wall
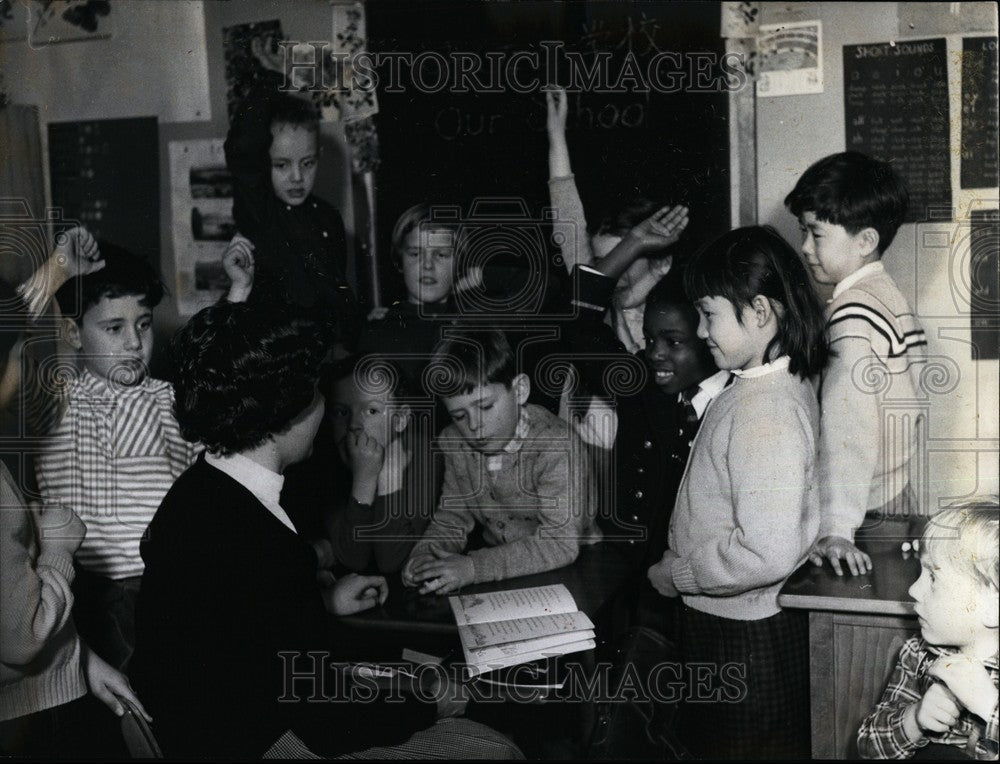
[[201, 203], [790, 59]]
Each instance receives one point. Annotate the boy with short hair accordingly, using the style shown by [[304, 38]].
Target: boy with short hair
[[514, 468], [116, 449], [849, 208], [943, 691], [230, 604]]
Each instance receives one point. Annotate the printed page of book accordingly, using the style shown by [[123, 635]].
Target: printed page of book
[[511, 604], [482, 655], [477, 635], [573, 647]]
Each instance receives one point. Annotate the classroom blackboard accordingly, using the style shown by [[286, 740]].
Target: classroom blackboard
[[984, 284], [896, 110], [979, 112], [106, 174], [448, 140]]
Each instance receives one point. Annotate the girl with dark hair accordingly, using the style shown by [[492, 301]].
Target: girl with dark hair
[[747, 509]]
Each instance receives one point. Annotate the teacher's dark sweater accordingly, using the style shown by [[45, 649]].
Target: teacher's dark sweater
[[226, 591]]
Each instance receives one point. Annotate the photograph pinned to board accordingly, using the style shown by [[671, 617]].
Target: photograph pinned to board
[[58, 21], [790, 59], [243, 66], [201, 204], [13, 20]]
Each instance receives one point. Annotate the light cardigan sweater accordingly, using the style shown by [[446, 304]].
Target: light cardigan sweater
[[39, 647], [536, 501], [747, 510]]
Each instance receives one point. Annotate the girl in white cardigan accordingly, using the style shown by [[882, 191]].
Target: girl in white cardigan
[[747, 510]]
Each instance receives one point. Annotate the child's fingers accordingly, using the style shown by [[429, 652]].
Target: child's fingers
[[835, 562], [432, 586]]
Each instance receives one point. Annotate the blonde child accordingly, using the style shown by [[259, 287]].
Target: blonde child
[[747, 510], [943, 691]]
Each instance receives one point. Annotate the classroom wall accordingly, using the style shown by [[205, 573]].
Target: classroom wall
[[165, 59], [928, 261]]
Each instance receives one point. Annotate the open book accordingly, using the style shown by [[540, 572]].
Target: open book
[[517, 626]]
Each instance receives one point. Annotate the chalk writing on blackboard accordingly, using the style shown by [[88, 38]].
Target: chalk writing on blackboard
[[979, 112], [984, 283], [896, 110]]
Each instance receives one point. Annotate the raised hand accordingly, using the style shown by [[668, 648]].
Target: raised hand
[[238, 262], [556, 110], [661, 229]]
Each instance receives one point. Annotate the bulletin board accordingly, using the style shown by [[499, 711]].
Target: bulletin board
[[105, 173]]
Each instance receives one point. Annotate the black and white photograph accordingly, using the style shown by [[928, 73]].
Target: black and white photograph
[[610, 380]]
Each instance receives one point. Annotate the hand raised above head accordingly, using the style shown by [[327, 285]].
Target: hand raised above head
[[556, 110]]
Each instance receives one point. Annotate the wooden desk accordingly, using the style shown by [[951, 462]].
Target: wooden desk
[[856, 627], [594, 579]]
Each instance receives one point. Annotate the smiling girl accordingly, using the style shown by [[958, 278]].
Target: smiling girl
[[747, 510]]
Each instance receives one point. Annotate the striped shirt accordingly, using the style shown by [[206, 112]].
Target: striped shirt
[[872, 399], [112, 457]]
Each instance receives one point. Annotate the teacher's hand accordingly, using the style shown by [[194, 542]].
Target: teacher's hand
[[353, 593]]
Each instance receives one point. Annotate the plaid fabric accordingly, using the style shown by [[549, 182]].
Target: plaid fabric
[[881, 735], [447, 739], [749, 697]]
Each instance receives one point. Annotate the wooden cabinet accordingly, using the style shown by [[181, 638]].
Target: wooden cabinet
[[851, 657], [856, 627]]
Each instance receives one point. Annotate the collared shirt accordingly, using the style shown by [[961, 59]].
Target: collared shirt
[[882, 734], [112, 457], [778, 364], [264, 484], [871, 269], [707, 390], [494, 463]]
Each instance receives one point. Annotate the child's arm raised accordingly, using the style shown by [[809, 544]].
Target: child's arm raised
[[658, 231], [238, 262], [563, 195]]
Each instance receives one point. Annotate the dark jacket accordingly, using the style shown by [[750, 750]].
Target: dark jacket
[[228, 589]]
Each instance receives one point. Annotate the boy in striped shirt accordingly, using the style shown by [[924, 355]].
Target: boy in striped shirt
[[116, 448], [849, 208]]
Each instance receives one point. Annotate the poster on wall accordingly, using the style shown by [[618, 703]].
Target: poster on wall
[[243, 45], [57, 21], [979, 113], [790, 59], [13, 20], [201, 203], [896, 109]]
